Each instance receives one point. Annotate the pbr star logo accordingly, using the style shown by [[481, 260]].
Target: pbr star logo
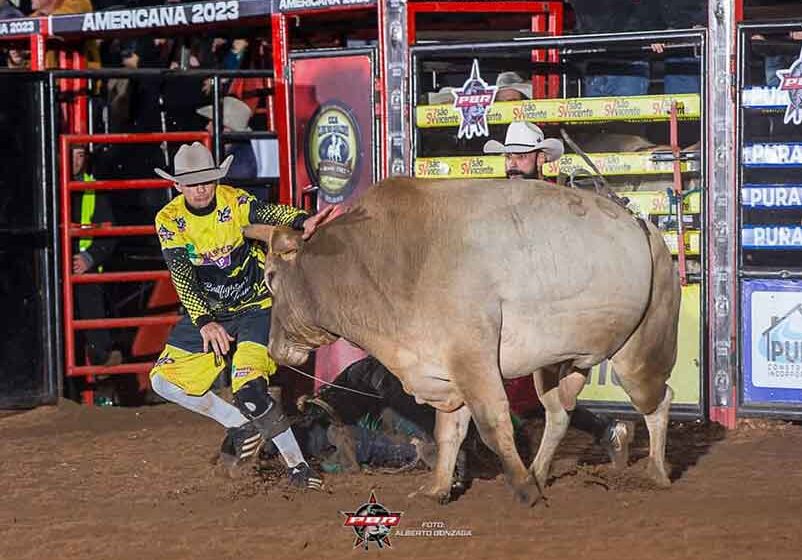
[[791, 81], [372, 522], [472, 101], [180, 223]]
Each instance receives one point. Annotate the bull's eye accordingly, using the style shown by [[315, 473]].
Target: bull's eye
[[269, 281]]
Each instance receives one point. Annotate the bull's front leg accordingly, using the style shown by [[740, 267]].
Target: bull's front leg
[[491, 412], [449, 432]]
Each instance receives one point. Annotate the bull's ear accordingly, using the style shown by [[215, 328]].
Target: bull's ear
[[260, 232], [285, 242]]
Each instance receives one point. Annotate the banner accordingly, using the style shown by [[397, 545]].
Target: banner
[[170, 15], [485, 167], [305, 5], [778, 238], [771, 342], [685, 380], [333, 125], [19, 27], [788, 154], [583, 109], [766, 196]]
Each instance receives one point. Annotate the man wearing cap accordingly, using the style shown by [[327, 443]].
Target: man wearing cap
[[219, 277], [236, 115], [526, 150]]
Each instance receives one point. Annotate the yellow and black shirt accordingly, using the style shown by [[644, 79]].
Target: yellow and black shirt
[[216, 271]]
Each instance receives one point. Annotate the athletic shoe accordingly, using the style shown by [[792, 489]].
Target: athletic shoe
[[302, 476]]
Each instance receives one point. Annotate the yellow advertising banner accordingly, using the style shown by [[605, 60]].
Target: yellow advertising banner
[[656, 203], [574, 110], [489, 167], [693, 242], [685, 380], [623, 163]]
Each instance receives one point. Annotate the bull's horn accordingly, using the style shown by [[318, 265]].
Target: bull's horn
[[262, 232]]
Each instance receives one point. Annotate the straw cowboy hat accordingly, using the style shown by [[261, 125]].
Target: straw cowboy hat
[[524, 137], [194, 165], [236, 114], [505, 80], [511, 80]]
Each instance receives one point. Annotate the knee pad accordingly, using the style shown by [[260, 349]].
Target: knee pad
[[257, 405]]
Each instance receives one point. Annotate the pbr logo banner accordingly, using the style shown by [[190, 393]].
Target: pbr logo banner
[[332, 151], [772, 341], [472, 101], [791, 82]]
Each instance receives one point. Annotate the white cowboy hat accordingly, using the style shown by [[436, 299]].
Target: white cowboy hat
[[194, 165], [524, 137], [236, 114], [511, 80]]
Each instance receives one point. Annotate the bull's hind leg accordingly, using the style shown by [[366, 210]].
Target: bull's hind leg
[[657, 422], [449, 432], [557, 420]]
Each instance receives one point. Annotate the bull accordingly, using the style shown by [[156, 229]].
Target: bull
[[457, 285]]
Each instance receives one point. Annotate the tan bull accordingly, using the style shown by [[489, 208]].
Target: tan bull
[[456, 285]]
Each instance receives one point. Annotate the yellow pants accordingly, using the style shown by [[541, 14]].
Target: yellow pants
[[184, 363]]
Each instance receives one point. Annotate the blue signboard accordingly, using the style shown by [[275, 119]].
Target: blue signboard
[[770, 196], [777, 238], [774, 154], [771, 341]]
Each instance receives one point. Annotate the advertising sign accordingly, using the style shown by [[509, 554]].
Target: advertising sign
[[685, 380], [333, 125], [772, 341]]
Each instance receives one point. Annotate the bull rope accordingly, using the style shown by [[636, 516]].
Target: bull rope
[[373, 395]]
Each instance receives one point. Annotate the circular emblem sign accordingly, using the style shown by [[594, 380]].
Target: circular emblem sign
[[332, 151]]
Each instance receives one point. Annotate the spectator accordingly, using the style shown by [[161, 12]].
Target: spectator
[[89, 253], [235, 55], [8, 11], [236, 115], [17, 59], [60, 7], [511, 87]]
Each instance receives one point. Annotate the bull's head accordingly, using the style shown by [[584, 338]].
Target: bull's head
[[294, 330]]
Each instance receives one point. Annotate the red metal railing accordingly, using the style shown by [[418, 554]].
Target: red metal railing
[[69, 231], [547, 18]]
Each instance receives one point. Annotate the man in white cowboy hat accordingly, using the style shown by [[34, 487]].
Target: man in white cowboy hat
[[219, 277], [525, 151]]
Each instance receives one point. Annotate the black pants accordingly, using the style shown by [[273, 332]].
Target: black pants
[[90, 303]]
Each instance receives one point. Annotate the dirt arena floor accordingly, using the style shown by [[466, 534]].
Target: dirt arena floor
[[138, 483]]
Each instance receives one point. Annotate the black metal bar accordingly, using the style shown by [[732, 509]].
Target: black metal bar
[[565, 41], [217, 122], [771, 274]]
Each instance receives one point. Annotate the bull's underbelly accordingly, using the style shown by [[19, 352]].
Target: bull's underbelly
[[531, 340]]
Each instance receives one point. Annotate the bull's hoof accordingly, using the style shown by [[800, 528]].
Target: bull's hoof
[[527, 494], [658, 475], [442, 497]]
